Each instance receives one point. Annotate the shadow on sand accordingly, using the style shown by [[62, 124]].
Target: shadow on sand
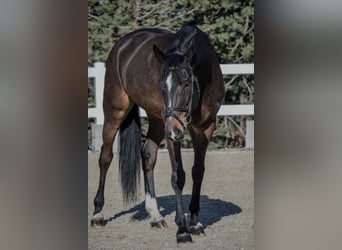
[[212, 210]]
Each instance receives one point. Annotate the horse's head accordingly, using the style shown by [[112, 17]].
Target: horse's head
[[177, 84]]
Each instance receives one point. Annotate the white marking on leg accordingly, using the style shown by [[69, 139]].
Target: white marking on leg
[[152, 207], [98, 216]]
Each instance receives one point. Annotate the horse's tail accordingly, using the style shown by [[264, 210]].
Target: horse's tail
[[129, 155]]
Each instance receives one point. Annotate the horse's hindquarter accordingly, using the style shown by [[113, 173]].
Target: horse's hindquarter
[[140, 71]]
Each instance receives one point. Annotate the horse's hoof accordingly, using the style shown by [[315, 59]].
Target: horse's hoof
[[183, 238], [97, 222], [159, 224], [197, 230]]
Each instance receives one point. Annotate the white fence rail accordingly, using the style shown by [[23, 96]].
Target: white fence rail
[[98, 72]]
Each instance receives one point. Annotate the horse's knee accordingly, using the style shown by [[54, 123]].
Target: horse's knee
[[198, 172], [180, 178], [174, 181], [147, 158]]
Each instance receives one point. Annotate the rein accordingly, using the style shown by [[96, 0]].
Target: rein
[[170, 111]]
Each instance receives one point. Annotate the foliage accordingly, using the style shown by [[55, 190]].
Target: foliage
[[229, 25]]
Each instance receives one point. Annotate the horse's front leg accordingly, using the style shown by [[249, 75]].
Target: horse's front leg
[[200, 141], [149, 156], [177, 182]]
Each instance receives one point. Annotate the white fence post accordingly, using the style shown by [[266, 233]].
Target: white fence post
[[98, 73], [249, 134]]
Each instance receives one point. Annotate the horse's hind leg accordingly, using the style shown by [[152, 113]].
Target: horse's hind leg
[[115, 108], [200, 141], [106, 156], [149, 151]]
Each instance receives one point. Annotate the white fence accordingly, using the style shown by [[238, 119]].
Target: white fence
[[98, 72]]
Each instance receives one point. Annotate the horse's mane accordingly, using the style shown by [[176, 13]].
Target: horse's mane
[[183, 40]]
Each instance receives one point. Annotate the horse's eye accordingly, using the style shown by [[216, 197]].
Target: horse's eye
[[186, 84]]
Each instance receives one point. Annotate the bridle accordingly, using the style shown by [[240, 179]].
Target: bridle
[[193, 102]]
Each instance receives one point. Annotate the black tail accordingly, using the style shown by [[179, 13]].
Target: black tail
[[129, 156]]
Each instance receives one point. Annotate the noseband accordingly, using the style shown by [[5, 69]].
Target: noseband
[[170, 111]]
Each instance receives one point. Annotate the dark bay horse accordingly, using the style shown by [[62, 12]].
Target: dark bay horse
[[177, 79]]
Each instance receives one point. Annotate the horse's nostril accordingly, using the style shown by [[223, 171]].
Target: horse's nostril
[[179, 135], [168, 134], [174, 134]]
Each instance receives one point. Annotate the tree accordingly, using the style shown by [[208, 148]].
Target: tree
[[229, 24]]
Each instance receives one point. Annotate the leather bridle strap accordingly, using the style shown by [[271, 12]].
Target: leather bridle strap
[[170, 112]]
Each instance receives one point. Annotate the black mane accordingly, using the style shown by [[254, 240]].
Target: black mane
[[183, 40]]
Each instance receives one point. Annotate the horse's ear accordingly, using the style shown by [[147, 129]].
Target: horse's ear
[[160, 55], [190, 57]]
